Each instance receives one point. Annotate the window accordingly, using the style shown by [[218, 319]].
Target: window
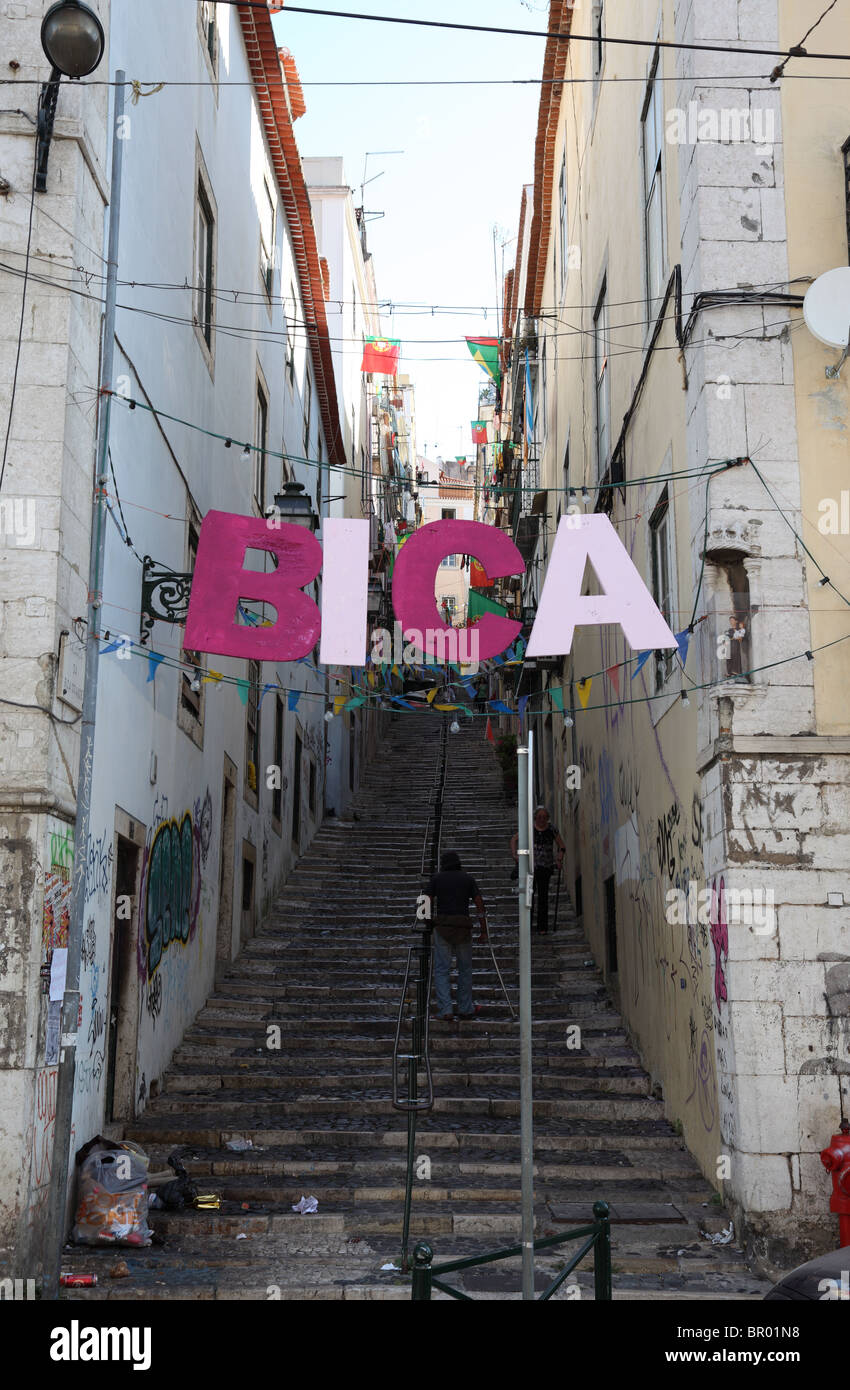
[[564, 227], [564, 502], [277, 793], [449, 562], [660, 532], [204, 263], [209, 31], [261, 432], [601, 378], [308, 407], [267, 236], [449, 513], [653, 199], [252, 731], [290, 334], [190, 704]]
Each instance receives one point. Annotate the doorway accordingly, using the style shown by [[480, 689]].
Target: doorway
[[123, 1002], [226, 865]]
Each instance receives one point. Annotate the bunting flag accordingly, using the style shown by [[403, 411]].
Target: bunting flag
[[479, 431], [490, 735], [243, 686], [642, 659], [214, 676], [294, 697], [355, 702], [613, 674], [396, 672], [683, 641], [446, 707], [270, 685], [557, 697], [486, 354], [398, 700], [113, 646], [381, 355], [339, 703], [154, 659], [521, 704], [500, 706], [583, 689], [431, 696]]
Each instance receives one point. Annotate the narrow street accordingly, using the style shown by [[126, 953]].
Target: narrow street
[[327, 969]]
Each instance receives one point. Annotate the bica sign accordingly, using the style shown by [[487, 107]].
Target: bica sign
[[221, 582]]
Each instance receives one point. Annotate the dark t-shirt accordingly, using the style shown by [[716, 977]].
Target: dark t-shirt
[[451, 891], [544, 847]]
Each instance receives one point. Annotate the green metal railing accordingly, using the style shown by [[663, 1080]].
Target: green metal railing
[[596, 1237]]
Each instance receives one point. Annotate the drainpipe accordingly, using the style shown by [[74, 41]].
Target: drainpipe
[[55, 1238]]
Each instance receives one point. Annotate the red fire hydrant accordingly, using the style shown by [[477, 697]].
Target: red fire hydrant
[[836, 1160]]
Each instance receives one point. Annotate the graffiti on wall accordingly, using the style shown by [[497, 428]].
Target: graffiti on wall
[[176, 851]]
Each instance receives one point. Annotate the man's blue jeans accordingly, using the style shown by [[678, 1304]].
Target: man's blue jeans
[[442, 974]]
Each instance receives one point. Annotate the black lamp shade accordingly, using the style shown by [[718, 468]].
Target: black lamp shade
[[72, 38]]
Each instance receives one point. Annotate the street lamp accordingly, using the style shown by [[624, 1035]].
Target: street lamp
[[73, 41], [294, 506]]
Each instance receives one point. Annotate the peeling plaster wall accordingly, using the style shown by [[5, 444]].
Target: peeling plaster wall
[[744, 1028]]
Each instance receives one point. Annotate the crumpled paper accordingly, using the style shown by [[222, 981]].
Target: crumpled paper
[[307, 1205], [720, 1237]]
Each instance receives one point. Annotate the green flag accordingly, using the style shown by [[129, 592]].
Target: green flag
[[486, 353], [479, 605]]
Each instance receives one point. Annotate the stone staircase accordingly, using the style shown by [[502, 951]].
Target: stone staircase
[[327, 969]]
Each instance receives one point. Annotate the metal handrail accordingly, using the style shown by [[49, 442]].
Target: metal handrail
[[419, 1045], [418, 1054], [597, 1238]]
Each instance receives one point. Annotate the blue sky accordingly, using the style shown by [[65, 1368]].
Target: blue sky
[[467, 152]]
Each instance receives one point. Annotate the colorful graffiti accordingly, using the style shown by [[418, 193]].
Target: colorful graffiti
[[176, 849], [719, 940], [169, 895], [56, 905]]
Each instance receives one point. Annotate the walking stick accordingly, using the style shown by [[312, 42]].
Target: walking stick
[[501, 981], [557, 897]]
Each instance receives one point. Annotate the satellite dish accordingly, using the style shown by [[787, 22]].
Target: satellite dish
[[826, 307]]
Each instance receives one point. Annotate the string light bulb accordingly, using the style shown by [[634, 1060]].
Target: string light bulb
[[246, 453], [454, 727], [685, 701], [329, 714], [568, 721]]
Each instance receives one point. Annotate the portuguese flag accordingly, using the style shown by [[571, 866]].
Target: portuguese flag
[[486, 353], [479, 431], [381, 355]]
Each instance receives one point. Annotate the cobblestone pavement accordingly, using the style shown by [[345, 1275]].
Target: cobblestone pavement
[[327, 968]]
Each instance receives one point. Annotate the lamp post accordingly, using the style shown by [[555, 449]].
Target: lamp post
[[292, 505], [73, 41]]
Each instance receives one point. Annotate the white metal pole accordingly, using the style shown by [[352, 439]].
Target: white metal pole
[[526, 1114]]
